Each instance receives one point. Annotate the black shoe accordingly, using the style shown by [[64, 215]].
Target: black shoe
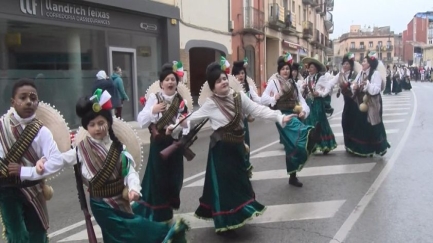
[[231, 234], [293, 180], [326, 152]]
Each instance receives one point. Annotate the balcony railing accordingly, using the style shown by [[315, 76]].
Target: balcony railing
[[357, 49], [386, 48], [329, 21], [290, 23], [307, 31], [276, 16], [313, 3], [329, 5], [254, 19]]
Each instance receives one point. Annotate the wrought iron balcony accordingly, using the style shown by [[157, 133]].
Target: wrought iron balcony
[[307, 30], [383, 48], [359, 49], [329, 5], [276, 18], [329, 51], [290, 22], [254, 20], [329, 21], [313, 3]]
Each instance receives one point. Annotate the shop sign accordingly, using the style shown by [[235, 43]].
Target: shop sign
[[65, 11], [76, 12]]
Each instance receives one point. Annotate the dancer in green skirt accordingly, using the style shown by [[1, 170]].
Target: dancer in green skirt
[[299, 140], [228, 197], [240, 73], [315, 90], [108, 170], [368, 136], [167, 101]]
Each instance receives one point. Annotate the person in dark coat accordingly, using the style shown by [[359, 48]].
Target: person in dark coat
[[105, 83]]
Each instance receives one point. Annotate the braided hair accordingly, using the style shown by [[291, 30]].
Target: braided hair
[[84, 110]]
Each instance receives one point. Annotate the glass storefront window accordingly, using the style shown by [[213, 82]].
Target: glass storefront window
[[64, 61]]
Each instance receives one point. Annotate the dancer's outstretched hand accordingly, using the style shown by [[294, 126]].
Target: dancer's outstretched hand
[[133, 196]]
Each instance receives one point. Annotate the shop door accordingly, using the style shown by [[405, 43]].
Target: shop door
[[126, 59]]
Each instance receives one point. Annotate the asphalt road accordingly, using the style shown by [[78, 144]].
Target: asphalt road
[[344, 198]]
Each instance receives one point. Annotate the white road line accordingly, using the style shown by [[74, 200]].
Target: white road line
[[396, 105], [384, 121], [347, 226], [273, 214], [305, 172], [388, 131], [385, 114], [396, 109]]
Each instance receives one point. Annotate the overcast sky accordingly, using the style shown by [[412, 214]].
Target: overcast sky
[[394, 13]]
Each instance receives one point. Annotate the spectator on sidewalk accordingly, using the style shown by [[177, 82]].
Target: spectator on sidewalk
[[120, 90], [105, 83]]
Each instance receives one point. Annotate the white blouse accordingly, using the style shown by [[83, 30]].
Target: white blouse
[[217, 119], [254, 96], [146, 116], [131, 180], [374, 86], [274, 87], [322, 87]]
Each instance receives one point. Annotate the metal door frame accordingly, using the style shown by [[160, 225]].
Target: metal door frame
[[132, 51]]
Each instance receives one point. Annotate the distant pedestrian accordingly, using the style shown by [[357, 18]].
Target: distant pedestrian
[[120, 89]]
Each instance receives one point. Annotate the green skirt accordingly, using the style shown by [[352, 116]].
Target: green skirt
[[363, 139], [248, 165], [317, 114], [120, 227], [21, 223], [161, 184], [294, 136], [228, 197]]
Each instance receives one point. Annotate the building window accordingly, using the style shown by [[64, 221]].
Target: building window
[[379, 43], [388, 44], [361, 45], [388, 56], [370, 45], [305, 14], [430, 41], [293, 6], [352, 45], [362, 57]]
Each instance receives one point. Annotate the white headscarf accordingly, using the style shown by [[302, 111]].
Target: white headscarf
[[101, 75]]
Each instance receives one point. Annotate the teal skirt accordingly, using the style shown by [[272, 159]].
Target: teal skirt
[[121, 227], [161, 184], [228, 197], [21, 223], [248, 165], [294, 136], [363, 139], [317, 114]]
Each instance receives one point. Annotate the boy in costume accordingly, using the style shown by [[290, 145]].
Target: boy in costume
[[23, 140]]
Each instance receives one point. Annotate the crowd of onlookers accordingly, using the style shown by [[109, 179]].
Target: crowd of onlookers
[[421, 73]]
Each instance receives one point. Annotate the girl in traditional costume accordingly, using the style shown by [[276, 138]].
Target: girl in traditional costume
[[298, 139], [108, 148], [315, 90], [167, 101], [388, 81], [240, 72], [350, 69], [228, 197], [368, 135], [396, 82], [29, 132]]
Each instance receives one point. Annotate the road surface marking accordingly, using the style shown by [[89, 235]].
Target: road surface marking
[[347, 226], [273, 214], [384, 121], [388, 131], [305, 172]]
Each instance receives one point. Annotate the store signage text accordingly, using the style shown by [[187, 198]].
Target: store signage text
[[65, 11], [148, 27]]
